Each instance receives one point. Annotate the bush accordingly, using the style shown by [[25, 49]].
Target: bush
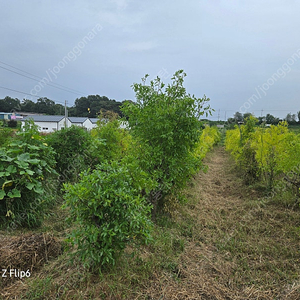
[[72, 151], [107, 207], [25, 170], [270, 154], [113, 141], [238, 142], [166, 126], [209, 137]]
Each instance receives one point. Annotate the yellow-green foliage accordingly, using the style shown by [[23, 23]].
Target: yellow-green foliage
[[210, 136], [271, 149], [233, 143], [270, 152], [114, 141]]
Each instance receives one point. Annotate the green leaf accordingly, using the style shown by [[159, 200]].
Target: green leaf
[[24, 157], [14, 194], [33, 147], [2, 194], [30, 185], [11, 169], [29, 172], [22, 164], [34, 161]]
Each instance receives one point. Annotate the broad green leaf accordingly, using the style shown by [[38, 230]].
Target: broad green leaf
[[24, 157], [30, 185], [29, 172], [32, 147], [34, 161], [11, 169], [2, 194], [14, 193], [22, 164]]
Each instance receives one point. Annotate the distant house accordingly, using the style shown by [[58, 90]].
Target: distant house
[[82, 122], [4, 116], [9, 116], [47, 123], [94, 121]]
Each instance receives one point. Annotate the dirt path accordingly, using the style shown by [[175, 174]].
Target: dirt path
[[216, 263]]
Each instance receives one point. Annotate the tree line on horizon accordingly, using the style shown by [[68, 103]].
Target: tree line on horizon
[[292, 119], [89, 106]]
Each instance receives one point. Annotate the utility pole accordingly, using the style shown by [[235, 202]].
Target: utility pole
[[219, 115], [66, 113]]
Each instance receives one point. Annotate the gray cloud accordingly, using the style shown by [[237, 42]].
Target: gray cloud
[[227, 48]]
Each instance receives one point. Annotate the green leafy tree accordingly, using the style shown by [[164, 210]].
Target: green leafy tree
[[45, 105], [165, 121], [246, 116], [91, 106], [109, 211], [9, 104], [28, 106], [270, 119], [238, 117], [291, 119]]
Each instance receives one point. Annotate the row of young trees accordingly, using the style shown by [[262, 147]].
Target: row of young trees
[[114, 181], [270, 155], [88, 106]]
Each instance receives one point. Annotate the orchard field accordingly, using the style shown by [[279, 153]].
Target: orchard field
[[159, 210]]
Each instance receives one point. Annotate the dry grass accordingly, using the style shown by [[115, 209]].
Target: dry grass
[[228, 242]]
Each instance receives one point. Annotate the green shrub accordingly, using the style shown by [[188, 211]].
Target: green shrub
[[239, 143], [115, 141], [26, 171], [109, 211], [209, 137], [72, 151], [165, 123], [6, 134]]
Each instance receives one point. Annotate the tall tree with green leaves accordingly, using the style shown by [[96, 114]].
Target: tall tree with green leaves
[[165, 121]]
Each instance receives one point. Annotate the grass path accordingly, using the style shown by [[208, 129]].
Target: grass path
[[238, 245]]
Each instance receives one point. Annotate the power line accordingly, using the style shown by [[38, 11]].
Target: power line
[[5, 88], [38, 80], [65, 88]]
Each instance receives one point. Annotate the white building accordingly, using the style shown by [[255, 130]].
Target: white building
[[81, 121], [47, 123]]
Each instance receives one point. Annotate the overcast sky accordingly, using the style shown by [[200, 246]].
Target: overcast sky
[[243, 55]]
